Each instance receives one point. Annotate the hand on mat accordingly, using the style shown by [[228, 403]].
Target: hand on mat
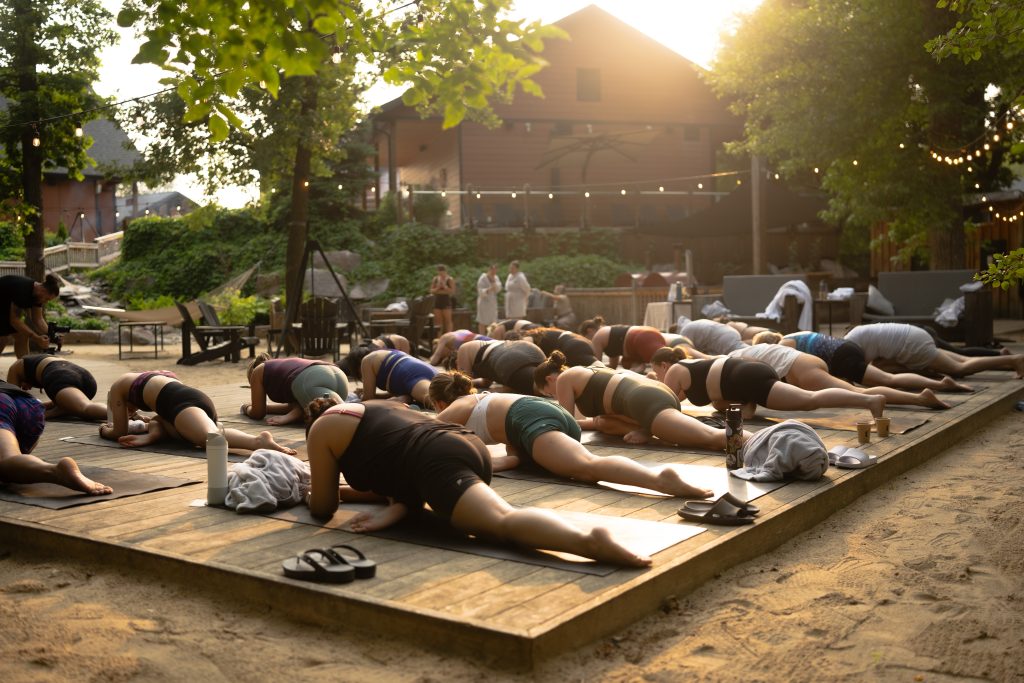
[[378, 519]]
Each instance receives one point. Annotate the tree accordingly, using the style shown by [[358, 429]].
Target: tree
[[48, 61], [988, 26], [848, 89], [456, 56]]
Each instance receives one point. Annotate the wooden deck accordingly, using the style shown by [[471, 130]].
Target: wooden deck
[[505, 612]]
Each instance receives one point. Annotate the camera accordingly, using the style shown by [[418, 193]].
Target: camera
[[55, 332]]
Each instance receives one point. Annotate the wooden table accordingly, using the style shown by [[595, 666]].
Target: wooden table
[[158, 336]]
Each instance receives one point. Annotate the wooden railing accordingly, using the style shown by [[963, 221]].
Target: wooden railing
[[63, 257], [619, 305]]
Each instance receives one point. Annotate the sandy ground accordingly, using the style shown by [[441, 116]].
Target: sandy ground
[[919, 580]]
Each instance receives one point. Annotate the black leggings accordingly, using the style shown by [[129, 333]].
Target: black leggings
[[448, 466], [962, 350], [60, 376], [746, 381]]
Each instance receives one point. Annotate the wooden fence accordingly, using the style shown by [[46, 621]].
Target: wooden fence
[[618, 305], [63, 257]]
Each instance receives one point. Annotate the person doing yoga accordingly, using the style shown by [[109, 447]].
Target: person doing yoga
[[182, 412], [409, 458], [540, 431], [576, 347], [724, 380], [911, 347], [291, 383], [449, 342], [69, 387], [632, 344], [499, 329], [21, 424], [624, 404], [398, 374], [509, 363], [715, 338]]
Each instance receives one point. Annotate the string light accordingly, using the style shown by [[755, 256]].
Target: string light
[[78, 130], [305, 183], [661, 188], [36, 141], [854, 162], [700, 186], [340, 186], [622, 192], [336, 55], [815, 170], [551, 195], [513, 195], [444, 193], [587, 195]]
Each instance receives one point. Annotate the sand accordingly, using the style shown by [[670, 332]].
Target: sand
[[919, 580]]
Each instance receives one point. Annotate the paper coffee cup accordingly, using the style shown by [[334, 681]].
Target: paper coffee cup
[[882, 427], [864, 432]]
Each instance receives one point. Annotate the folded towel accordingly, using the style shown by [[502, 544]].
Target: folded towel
[[714, 309], [801, 291], [841, 294], [948, 313]]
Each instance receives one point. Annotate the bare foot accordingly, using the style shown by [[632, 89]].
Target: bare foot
[[950, 384], [266, 440], [669, 481], [928, 399], [876, 403], [602, 547], [1018, 365], [1005, 352], [69, 475], [636, 436], [279, 420]]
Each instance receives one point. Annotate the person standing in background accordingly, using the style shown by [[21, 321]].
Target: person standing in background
[[487, 287], [443, 289], [517, 292]]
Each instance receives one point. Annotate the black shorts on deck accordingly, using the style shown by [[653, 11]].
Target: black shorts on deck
[[175, 397], [450, 465], [59, 376]]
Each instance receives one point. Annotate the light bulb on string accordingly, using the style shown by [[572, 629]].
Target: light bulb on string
[[700, 186], [995, 138], [587, 195], [815, 170], [902, 146], [661, 188], [478, 195], [336, 55], [1009, 125], [78, 130], [340, 186], [622, 192], [551, 195], [36, 140], [986, 147], [444, 193], [513, 195], [855, 162]]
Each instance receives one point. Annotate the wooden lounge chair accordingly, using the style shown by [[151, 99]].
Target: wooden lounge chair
[[213, 341], [211, 319], [417, 326], [318, 328]]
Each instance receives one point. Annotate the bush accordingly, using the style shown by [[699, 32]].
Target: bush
[[234, 309]]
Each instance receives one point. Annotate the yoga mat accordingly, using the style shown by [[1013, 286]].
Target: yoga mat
[[593, 438], [844, 419], [705, 476], [57, 497], [178, 448], [427, 529]]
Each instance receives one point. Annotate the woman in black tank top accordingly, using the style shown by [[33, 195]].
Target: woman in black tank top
[[406, 458], [69, 387]]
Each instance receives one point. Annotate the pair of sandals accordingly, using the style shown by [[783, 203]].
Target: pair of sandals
[[728, 510], [330, 565], [846, 458]]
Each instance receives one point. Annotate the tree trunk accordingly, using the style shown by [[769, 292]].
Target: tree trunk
[[298, 219], [31, 156]]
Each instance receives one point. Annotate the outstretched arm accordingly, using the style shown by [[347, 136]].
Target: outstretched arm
[[379, 519]]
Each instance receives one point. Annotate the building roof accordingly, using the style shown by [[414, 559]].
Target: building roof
[[153, 201]]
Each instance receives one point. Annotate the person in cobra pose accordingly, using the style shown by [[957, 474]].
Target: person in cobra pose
[[633, 344], [509, 363], [540, 431], [21, 424], [182, 412], [724, 380], [499, 329], [576, 347], [846, 360], [407, 458], [624, 404], [69, 387], [291, 383], [811, 373], [911, 347], [397, 373], [449, 342]]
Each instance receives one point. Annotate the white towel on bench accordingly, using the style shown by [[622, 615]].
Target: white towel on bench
[[802, 292]]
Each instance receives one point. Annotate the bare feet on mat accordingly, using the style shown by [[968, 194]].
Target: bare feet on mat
[[69, 475], [636, 436], [602, 547], [877, 404], [950, 384], [930, 400], [266, 440], [137, 440], [669, 481]]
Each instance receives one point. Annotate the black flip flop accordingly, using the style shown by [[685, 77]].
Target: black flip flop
[[320, 567], [701, 506], [365, 569], [720, 511]]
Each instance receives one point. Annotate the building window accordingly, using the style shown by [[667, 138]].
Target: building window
[[588, 85]]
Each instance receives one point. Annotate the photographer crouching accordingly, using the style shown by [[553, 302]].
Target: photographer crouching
[[21, 312]]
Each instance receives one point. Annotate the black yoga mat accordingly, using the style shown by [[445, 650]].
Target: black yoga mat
[[593, 438], [428, 529], [124, 483]]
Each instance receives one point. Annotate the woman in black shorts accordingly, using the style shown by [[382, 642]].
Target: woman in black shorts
[[21, 424], [623, 404], [408, 459], [69, 387], [509, 363], [577, 348], [182, 412], [443, 289], [721, 381]]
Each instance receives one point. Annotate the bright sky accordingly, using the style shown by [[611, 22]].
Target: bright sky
[[690, 27]]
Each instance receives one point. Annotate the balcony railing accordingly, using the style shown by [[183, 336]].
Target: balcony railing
[[63, 257]]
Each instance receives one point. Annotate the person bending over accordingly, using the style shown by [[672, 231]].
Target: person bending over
[[577, 348], [20, 295], [69, 387], [509, 363], [409, 458], [291, 383], [182, 412], [449, 342], [399, 374], [540, 431], [633, 344], [21, 424]]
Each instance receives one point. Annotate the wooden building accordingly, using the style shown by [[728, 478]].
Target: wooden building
[[628, 134]]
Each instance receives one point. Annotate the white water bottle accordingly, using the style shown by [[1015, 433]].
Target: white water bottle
[[216, 468]]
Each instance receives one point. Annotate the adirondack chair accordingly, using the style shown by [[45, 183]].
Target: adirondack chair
[[211, 319], [318, 328], [417, 326], [213, 341]]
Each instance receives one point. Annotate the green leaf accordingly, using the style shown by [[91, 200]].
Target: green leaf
[[325, 25], [218, 128], [127, 17]]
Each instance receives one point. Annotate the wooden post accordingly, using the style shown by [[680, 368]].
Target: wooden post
[[757, 219]]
